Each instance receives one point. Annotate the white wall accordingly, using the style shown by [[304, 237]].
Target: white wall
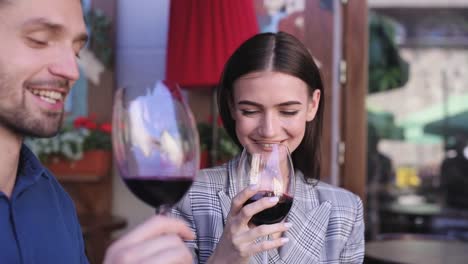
[[141, 57]]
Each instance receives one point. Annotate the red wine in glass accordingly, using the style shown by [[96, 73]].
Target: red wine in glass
[[267, 165], [155, 143], [157, 191], [273, 214]]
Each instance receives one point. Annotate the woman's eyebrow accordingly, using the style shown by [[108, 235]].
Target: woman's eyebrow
[[289, 103], [247, 102]]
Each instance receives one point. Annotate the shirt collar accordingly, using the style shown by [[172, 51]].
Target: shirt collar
[[30, 170]]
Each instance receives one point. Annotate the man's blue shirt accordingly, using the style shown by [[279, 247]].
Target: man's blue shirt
[[38, 223]]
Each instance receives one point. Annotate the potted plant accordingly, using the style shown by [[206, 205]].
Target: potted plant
[[81, 148], [226, 147]]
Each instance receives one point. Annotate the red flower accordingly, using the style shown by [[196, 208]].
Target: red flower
[[80, 122], [106, 127], [85, 122], [91, 125]]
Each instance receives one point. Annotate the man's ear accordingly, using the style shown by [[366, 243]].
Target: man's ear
[[313, 105]]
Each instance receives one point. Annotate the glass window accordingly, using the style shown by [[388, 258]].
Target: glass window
[[418, 121]]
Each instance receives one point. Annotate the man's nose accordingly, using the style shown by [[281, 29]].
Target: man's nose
[[66, 65]]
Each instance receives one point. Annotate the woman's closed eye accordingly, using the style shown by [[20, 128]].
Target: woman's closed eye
[[247, 112], [289, 113]]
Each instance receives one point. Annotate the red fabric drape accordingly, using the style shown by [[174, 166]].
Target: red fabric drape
[[202, 36]]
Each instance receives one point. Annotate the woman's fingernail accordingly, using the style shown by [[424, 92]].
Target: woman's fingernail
[[274, 199], [288, 225], [284, 240]]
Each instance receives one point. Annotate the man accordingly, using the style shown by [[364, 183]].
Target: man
[[38, 224], [454, 173]]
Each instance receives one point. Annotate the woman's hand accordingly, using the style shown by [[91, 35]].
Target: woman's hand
[[237, 244], [158, 240]]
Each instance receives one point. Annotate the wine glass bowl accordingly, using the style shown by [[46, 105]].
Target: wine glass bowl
[[270, 167], [155, 143]]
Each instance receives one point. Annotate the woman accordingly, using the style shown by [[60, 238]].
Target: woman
[[270, 92]]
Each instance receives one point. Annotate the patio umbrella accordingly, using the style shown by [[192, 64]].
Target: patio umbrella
[[428, 125], [384, 125], [450, 126]]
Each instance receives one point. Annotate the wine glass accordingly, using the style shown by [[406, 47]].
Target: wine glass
[[155, 143], [270, 167]]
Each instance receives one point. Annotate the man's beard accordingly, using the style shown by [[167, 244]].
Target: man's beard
[[20, 120], [24, 125]]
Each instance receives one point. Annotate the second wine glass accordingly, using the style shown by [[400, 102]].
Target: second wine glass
[[270, 167], [155, 143]]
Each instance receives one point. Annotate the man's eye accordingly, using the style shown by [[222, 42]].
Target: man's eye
[[37, 42]]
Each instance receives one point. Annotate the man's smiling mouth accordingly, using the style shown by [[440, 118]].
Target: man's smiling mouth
[[49, 96]]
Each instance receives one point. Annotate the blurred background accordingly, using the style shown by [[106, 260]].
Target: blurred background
[[396, 122]]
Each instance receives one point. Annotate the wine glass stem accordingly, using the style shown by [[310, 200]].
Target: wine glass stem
[[163, 209]]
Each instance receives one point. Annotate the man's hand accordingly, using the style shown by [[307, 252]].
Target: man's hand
[[158, 240]]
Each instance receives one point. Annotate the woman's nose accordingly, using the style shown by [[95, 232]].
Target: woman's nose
[[268, 126]]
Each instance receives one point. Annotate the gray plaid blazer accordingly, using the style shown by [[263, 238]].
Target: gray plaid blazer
[[328, 224]]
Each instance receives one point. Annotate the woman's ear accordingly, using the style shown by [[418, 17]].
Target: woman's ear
[[313, 105]]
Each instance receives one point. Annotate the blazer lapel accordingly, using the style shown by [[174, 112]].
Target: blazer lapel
[[225, 198], [310, 218], [307, 235], [225, 201]]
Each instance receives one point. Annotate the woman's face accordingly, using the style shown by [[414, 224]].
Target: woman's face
[[272, 107]]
